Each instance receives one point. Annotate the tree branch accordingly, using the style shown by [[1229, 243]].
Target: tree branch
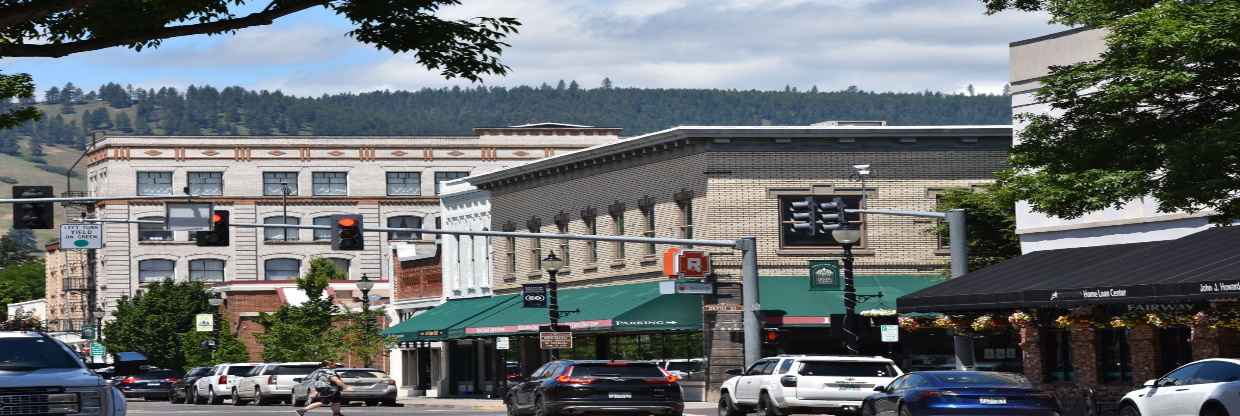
[[57, 50], [13, 15]]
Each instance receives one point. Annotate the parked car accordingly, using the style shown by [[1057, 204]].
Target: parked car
[[270, 383], [685, 368], [1209, 387], [153, 384], [40, 372], [790, 384], [590, 387], [959, 393], [179, 392], [214, 387], [366, 385]]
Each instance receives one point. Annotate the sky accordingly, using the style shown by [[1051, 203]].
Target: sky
[[878, 45]]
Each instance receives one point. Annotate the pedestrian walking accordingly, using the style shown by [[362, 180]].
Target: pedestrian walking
[[328, 389]]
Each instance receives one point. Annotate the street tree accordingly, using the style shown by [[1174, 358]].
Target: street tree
[[362, 337], [991, 229], [20, 281], [231, 349], [151, 321], [19, 86], [1154, 115], [304, 332]]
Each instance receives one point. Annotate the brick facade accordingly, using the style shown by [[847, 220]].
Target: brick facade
[[418, 279], [1144, 353]]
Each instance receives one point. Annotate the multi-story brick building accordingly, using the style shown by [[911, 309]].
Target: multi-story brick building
[[718, 183], [391, 181], [65, 288]]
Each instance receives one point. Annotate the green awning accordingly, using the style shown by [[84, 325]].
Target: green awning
[[620, 308], [788, 301], [443, 321]]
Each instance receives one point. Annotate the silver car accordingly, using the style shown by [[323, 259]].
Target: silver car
[[270, 383], [366, 385]]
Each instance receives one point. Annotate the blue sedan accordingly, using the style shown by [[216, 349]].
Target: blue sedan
[[959, 393]]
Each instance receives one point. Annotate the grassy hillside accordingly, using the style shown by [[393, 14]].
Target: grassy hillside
[[26, 172]]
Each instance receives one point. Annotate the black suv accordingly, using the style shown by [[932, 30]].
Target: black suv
[[581, 387], [180, 389]]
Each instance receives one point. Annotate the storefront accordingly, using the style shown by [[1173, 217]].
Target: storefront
[[1106, 318]]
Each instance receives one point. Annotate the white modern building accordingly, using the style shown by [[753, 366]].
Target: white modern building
[[1138, 220]]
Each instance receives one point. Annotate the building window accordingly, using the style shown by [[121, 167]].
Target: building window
[[1057, 355], [617, 229], [646, 206], [154, 183], [274, 183], [342, 265], [282, 269], [590, 219], [792, 238], [155, 270], [330, 183], [510, 255], [404, 183], [441, 177], [206, 270], [404, 221], [153, 232], [684, 202], [323, 235], [280, 233], [561, 224], [534, 225], [1113, 360], [1175, 347], [205, 183]]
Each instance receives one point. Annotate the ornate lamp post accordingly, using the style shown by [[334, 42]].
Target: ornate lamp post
[[365, 285], [552, 265], [847, 235], [216, 301]]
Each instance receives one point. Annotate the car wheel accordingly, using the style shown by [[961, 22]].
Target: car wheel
[[727, 408], [867, 409], [1129, 410], [1214, 409], [904, 411], [767, 407], [540, 408], [511, 408], [192, 394], [172, 397], [212, 398]]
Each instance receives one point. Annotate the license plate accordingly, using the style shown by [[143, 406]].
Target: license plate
[[619, 395], [992, 400], [849, 387], [153, 384]]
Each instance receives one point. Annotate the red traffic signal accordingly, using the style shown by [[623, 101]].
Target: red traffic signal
[[347, 233], [219, 234]]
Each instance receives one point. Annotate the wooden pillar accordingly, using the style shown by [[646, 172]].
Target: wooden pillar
[[1031, 353], [1144, 352], [1084, 354]]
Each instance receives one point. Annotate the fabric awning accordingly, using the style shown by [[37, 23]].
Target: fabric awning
[[788, 301], [621, 308], [1196, 267], [443, 321]]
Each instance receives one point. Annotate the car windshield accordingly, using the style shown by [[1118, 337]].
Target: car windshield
[[847, 369], [199, 372], [28, 354], [616, 370], [360, 374], [239, 370], [980, 379], [688, 367], [293, 370]]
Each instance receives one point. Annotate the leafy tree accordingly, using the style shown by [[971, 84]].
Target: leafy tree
[[231, 349], [991, 230], [151, 321], [122, 122], [363, 338], [304, 332], [20, 282], [19, 86], [52, 95], [1154, 115], [606, 83]]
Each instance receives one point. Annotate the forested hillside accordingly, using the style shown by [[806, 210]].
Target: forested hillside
[[70, 113]]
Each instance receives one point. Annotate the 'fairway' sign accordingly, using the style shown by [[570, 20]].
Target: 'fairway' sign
[[81, 236]]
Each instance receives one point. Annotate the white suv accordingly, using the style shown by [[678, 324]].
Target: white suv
[[790, 384], [214, 387]]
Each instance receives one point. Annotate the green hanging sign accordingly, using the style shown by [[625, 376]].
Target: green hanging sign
[[824, 275]]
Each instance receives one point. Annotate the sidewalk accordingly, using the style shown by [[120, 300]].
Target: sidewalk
[[492, 404]]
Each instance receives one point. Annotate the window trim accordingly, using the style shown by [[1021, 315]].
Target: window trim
[[223, 269], [138, 182], [171, 236], [189, 182], [417, 187], [458, 173], [419, 221], [327, 234], [267, 268], [330, 176], [172, 272], [293, 188], [286, 232]]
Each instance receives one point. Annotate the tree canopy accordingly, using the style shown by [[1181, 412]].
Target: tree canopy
[[991, 229], [154, 321], [1155, 115], [304, 332]]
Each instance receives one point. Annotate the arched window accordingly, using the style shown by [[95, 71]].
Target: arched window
[[404, 221], [206, 270], [323, 235], [281, 234], [282, 269], [156, 270], [153, 232]]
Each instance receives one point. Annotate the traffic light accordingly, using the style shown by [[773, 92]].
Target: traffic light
[[218, 236], [832, 215], [771, 336], [801, 218], [347, 232], [33, 215]]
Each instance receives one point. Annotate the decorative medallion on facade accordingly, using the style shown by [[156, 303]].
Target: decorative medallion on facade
[[399, 153], [521, 153], [456, 153], [276, 153], [153, 152], [210, 153], [336, 153]]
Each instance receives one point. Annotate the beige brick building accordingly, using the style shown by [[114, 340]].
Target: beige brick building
[[65, 288]]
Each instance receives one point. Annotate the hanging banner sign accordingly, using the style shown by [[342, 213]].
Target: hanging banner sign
[[534, 295], [824, 275]]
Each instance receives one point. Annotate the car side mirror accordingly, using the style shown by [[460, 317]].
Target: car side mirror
[[735, 372], [1150, 383], [880, 389], [297, 380]]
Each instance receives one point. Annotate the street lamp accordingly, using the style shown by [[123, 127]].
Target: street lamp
[[215, 301], [552, 265], [365, 285], [847, 235]]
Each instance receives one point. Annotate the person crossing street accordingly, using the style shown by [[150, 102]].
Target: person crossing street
[[327, 390]]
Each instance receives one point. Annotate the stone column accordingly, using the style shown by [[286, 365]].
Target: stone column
[[1143, 352], [1204, 342], [1084, 354], [1031, 353]]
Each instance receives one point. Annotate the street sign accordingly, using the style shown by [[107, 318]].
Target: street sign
[[534, 295], [824, 275], [204, 322], [890, 333], [501, 343], [722, 307], [678, 263], [97, 350], [88, 331], [191, 216], [431, 333], [81, 236], [555, 340], [686, 288]]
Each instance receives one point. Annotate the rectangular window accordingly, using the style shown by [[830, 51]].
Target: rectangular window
[[792, 238], [323, 235], [617, 229], [564, 247], [154, 183], [1057, 355], [274, 183], [648, 230], [153, 232], [156, 270], [686, 219], [536, 255], [280, 233], [330, 183], [1114, 364], [591, 246], [205, 183], [404, 183], [510, 256], [441, 177], [404, 221], [206, 270]]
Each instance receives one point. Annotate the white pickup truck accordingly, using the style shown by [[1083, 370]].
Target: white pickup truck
[[804, 384]]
